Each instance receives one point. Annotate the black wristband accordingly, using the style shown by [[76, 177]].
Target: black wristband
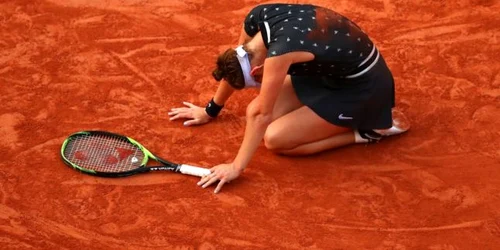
[[213, 109]]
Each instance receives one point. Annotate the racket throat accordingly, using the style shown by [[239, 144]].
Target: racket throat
[[165, 168]]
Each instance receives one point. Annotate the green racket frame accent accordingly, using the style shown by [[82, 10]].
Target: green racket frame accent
[[146, 152], [147, 155], [69, 162]]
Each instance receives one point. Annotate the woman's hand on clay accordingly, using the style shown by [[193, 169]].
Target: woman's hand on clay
[[195, 115], [223, 173]]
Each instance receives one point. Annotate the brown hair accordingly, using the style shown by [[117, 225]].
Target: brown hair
[[228, 68]]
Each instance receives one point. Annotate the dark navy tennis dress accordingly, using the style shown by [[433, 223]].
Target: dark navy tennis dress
[[348, 83]]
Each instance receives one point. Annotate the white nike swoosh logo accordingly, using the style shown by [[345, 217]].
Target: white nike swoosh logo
[[342, 117]]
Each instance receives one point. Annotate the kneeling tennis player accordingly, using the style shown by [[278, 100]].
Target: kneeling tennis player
[[323, 84]]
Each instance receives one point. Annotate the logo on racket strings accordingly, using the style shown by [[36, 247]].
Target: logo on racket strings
[[134, 159]]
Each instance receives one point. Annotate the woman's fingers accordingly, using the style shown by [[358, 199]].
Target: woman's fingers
[[181, 116], [178, 110], [210, 179], [219, 186], [210, 182], [223, 173], [192, 122], [189, 104], [203, 180], [207, 180]]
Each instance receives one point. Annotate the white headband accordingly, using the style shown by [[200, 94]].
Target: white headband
[[242, 56]]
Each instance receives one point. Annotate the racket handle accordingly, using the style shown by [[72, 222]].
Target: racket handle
[[192, 170]]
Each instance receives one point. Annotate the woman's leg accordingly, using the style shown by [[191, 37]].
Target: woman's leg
[[287, 100], [288, 105], [297, 130], [303, 132]]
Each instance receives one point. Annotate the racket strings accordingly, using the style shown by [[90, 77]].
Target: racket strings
[[103, 153]]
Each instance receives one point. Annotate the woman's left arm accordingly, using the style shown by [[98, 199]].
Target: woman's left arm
[[259, 116]]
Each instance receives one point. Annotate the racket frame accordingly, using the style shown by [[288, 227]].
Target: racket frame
[[167, 165]]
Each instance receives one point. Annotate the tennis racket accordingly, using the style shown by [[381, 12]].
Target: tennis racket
[[108, 154]]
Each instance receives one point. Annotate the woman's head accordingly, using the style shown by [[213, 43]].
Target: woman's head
[[234, 65], [229, 69]]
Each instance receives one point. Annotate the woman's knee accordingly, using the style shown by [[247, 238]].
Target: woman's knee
[[274, 140]]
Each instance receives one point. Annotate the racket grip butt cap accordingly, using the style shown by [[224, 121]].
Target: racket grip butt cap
[[192, 170]]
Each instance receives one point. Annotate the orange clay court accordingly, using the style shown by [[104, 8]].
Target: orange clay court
[[120, 66]]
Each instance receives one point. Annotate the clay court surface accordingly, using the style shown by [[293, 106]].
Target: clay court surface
[[120, 66]]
